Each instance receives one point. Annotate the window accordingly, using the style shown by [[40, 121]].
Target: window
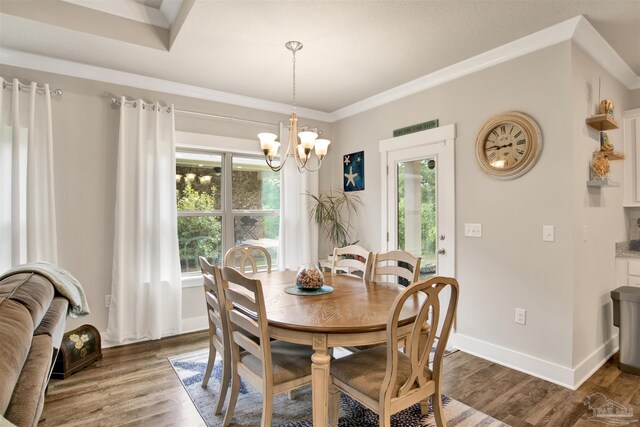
[[224, 200]]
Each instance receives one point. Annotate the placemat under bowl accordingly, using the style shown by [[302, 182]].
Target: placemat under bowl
[[294, 290]]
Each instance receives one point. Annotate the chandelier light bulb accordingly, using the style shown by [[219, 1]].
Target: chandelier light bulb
[[273, 151], [178, 177], [190, 176], [266, 141], [307, 140], [322, 146], [301, 153]]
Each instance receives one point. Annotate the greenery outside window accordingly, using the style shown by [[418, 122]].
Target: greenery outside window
[[224, 200]]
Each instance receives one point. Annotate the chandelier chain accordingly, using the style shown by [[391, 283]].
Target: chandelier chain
[[294, 82]]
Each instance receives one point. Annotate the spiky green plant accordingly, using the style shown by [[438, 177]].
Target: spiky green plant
[[332, 212]]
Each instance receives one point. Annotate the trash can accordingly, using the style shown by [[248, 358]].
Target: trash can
[[626, 316]]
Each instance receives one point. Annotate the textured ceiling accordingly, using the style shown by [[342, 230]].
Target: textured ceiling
[[352, 49]]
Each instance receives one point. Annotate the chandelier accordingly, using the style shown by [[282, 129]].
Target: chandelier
[[300, 144]]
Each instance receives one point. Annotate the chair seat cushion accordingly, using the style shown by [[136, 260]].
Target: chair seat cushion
[[290, 361], [365, 371]]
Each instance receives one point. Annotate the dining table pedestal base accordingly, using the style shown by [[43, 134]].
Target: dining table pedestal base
[[320, 379]]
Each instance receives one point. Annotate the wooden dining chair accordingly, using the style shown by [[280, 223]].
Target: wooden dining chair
[[238, 257], [271, 367], [387, 380], [400, 264], [349, 259], [218, 329]]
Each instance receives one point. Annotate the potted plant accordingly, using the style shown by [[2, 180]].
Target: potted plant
[[332, 212]]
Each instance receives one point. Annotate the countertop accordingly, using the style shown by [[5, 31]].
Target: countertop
[[622, 251]]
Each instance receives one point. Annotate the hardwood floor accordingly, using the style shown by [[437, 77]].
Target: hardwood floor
[[135, 385]]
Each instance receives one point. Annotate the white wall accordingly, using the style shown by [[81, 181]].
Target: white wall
[[85, 127], [509, 266], [599, 210]]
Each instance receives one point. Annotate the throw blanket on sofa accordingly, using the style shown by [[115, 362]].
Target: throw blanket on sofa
[[64, 282]]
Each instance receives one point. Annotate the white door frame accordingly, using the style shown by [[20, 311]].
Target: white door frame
[[446, 179]]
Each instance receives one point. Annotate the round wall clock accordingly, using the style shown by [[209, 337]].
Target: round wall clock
[[508, 145]]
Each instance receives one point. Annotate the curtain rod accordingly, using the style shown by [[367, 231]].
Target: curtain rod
[[217, 116], [54, 92], [199, 113]]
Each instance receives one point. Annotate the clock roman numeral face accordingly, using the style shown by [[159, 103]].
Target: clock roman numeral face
[[505, 146]]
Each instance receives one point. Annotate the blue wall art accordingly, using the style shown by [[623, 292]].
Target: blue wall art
[[353, 171]]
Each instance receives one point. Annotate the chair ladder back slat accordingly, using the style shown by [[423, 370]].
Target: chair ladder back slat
[[212, 301], [248, 344], [340, 262], [243, 321], [216, 320], [241, 299], [389, 263]]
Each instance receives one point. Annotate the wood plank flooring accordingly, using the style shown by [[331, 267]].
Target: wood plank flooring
[[135, 385]]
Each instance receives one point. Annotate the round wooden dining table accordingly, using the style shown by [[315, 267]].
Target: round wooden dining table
[[355, 313]]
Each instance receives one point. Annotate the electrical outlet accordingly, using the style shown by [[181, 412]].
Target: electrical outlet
[[473, 230], [521, 316], [107, 301], [548, 233]]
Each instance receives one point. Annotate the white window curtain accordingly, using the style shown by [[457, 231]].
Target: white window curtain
[[298, 234], [27, 202], [146, 289]]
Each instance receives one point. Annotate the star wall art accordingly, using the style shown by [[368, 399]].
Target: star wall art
[[353, 171]]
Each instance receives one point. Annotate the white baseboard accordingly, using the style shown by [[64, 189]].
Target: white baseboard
[[191, 324], [548, 371], [594, 361]]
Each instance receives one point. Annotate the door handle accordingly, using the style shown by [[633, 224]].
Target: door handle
[[441, 251]]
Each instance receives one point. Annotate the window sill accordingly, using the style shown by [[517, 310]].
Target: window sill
[[191, 281]]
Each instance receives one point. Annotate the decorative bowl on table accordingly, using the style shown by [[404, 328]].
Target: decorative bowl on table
[[309, 277]]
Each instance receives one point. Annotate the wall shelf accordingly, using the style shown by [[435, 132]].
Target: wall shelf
[[602, 122], [602, 183]]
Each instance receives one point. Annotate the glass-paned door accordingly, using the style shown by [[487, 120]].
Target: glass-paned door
[[416, 218], [419, 198]]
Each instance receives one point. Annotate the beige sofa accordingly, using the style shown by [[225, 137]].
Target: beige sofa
[[32, 322]]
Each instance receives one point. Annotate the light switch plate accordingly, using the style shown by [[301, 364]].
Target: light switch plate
[[548, 233], [473, 230]]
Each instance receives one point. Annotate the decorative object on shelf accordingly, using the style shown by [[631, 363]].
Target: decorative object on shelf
[[79, 349], [353, 165], [604, 142], [300, 149], [599, 166], [332, 212], [309, 277], [606, 107], [508, 145]]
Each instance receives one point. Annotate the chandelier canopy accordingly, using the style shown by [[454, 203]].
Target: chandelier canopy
[[300, 144]]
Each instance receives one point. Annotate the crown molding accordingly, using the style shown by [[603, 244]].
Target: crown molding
[[589, 39], [32, 61], [577, 29]]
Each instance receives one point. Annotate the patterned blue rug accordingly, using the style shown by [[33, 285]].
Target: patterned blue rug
[[296, 412]]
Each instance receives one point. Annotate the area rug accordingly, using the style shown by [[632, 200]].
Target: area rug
[[296, 412]]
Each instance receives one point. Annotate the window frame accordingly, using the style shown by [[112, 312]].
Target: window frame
[[193, 143]]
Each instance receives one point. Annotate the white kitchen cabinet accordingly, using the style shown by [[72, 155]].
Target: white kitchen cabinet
[[627, 271], [631, 137]]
